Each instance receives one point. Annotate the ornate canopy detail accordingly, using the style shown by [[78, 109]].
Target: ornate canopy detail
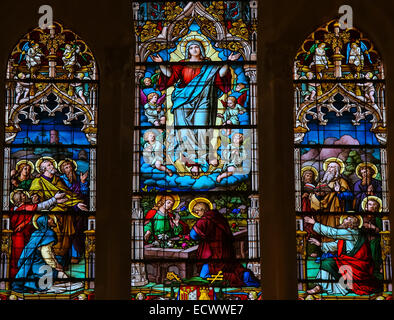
[[156, 36]]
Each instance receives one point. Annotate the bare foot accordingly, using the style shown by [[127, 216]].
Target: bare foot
[[194, 170], [214, 162], [315, 290]]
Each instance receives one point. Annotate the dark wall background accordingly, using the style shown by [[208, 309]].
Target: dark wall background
[[106, 26]]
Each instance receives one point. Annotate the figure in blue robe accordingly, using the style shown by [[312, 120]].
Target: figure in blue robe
[[31, 259]]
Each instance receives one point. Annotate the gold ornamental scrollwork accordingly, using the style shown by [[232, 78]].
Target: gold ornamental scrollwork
[[149, 31], [239, 29], [216, 10]]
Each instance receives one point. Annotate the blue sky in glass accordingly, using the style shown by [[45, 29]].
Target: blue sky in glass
[[338, 127], [40, 133]]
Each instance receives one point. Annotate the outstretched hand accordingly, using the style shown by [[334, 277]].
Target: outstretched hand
[[233, 56], [309, 220], [315, 242], [84, 176], [156, 58], [82, 206]]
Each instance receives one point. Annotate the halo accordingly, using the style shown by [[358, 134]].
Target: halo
[[367, 164], [39, 161], [13, 192], [69, 160], [196, 37], [377, 199], [174, 196], [360, 218], [195, 201], [29, 163], [333, 159], [311, 168], [36, 216]]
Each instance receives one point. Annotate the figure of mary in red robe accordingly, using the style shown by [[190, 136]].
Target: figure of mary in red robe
[[195, 97], [216, 248]]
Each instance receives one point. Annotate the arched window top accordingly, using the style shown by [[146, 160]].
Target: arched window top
[[54, 64], [341, 165], [332, 53], [53, 53]]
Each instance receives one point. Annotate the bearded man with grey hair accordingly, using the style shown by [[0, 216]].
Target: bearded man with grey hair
[[351, 267], [46, 185], [332, 193]]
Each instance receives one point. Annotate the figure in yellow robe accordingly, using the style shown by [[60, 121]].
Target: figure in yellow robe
[[332, 196], [45, 187]]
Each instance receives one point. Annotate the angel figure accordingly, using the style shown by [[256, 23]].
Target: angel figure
[[153, 152], [233, 155], [80, 90], [22, 89], [311, 88], [355, 56], [153, 107], [233, 110], [320, 60], [369, 88], [70, 58], [32, 53]]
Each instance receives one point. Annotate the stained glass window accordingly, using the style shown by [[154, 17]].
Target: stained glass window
[[340, 136], [49, 185], [195, 218]]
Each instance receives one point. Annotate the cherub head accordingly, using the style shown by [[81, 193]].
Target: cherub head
[[237, 139], [369, 75], [231, 102], [147, 81], [309, 75], [149, 136], [153, 97]]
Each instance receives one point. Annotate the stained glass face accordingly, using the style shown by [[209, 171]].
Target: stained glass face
[[49, 187], [195, 204], [341, 168]]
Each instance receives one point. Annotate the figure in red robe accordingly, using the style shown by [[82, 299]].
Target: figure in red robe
[[352, 262], [194, 101], [216, 248], [21, 222]]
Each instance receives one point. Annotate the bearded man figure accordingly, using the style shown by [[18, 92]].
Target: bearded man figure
[[352, 260], [367, 185], [332, 194], [46, 185]]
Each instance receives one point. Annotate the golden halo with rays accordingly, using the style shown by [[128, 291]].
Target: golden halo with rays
[[310, 168], [375, 198], [196, 37], [333, 159], [29, 163], [36, 216], [360, 218], [366, 164], [39, 161], [176, 198], [67, 160], [195, 201], [13, 192]]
